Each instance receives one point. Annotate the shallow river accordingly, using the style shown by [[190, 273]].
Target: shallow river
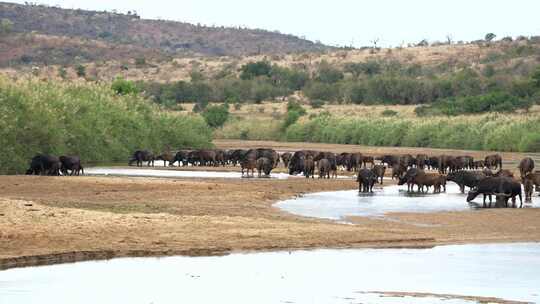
[[337, 205], [170, 173], [509, 271]]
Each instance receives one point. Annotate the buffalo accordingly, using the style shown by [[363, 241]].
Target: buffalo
[[285, 158], [264, 165], [379, 170], [504, 188], [43, 164], [526, 166], [309, 167], [466, 178], [141, 156], [71, 163], [494, 160], [325, 168], [366, 180]]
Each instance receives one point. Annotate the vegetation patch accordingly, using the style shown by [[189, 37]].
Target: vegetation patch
[[89, 120]]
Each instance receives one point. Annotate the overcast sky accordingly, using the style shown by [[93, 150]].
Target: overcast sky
[[344, 22]]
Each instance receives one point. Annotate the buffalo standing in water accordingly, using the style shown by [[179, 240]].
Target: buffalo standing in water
[[504, 188], [264, 165], [366, 180]]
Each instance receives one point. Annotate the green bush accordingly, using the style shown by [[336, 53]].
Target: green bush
[[216, 116], [492, 102], [80, 70], [255, 69], [493, 132], [89, 120], [124, 87], [389, 113]]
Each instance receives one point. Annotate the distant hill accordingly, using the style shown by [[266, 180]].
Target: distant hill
[[87, 35]]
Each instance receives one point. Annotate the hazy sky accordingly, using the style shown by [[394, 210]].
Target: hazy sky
[[342, 22]]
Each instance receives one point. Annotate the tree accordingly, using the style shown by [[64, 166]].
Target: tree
[[489, 37], [216, 116], [124, 87], [255, 69], [81, 70], [6, 26]]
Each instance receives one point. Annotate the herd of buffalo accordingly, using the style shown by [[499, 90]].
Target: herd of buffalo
[[407, 169]]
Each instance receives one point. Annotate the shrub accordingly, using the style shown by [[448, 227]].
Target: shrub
[[317, 104], [89, 120], [80, 70], [389, 113], [295, 106], [255, 69], [124, 87], [140, 61], [216, 116]]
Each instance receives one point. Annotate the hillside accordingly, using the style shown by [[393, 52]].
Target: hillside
[[114, 30]]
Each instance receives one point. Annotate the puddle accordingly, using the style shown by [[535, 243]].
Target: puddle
[[506, 271], [338, 205], [170, 173]]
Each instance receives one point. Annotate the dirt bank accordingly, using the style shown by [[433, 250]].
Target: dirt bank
[[47, 220]]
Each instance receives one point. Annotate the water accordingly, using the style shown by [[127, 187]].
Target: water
[[508, 271], [170, 173], [338, 205]]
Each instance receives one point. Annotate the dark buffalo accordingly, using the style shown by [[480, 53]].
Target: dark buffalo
[[355, 162], [181, 157], [325, 167], [408, 178], [285, 158], [309, 167], [503, 187], [528, 187], [368, 160], [296, 164], [389, 160], [526, 166], [478, 164], [407, 160], [421, 160], [43, 164], [398, 170], [141, 156], [466, 178], [235, 156], [366, 180], [433, 163], [379, 171], [493, 161], [71, 163], [447, 163], [467, 162], [248, 164], [535, 178], [264, 165]]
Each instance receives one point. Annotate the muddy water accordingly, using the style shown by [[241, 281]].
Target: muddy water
[[508, 271], [338, 205]]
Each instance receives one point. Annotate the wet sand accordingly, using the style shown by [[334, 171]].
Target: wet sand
[[45, 220]]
